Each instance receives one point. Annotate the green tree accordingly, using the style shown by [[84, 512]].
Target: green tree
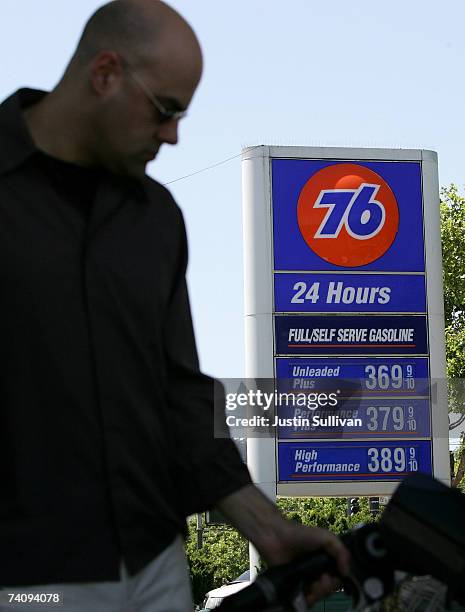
[[453, 262], [223, 557], [453, 259], [327, 512]]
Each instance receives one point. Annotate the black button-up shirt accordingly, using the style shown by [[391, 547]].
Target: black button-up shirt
[[106, 432]]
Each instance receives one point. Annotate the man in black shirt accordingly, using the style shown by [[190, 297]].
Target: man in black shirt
[[106, 438]]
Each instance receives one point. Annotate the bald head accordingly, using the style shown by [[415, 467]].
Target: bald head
[[133, 75], [137, 29]]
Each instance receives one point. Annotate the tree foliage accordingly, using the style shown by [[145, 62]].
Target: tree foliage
[[223, 557], [329, 513], [453, 263]]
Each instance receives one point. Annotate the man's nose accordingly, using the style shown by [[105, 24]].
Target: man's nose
[[168, 131]]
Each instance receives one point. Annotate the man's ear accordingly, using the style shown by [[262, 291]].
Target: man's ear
[[106, 72]]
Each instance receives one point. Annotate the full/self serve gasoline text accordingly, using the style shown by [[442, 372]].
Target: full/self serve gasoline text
[[345, 334]]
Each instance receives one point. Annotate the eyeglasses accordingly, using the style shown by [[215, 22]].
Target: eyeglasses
[[166, 114]]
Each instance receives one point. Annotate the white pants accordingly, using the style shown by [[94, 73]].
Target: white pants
[[162, 586]]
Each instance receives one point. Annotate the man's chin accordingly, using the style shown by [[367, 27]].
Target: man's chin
[[134, 170], [137, 173], [138, 169]]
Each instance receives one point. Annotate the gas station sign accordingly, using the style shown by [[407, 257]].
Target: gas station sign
[[347, 249]]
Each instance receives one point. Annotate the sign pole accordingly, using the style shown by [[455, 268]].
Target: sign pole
[[261, 452]]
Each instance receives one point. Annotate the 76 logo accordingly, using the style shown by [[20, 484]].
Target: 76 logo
[[355, 209]]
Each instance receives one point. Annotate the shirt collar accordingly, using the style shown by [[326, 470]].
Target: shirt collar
[[17, 144]]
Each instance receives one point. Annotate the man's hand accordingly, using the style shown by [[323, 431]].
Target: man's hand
[[279, 540]]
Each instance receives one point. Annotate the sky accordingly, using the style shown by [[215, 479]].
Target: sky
[[301, 72]]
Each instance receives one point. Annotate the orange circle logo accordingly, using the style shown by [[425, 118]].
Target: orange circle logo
[[348, 215]]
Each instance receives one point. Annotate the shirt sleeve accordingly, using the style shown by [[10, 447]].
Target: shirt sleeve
[[208, 464]]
